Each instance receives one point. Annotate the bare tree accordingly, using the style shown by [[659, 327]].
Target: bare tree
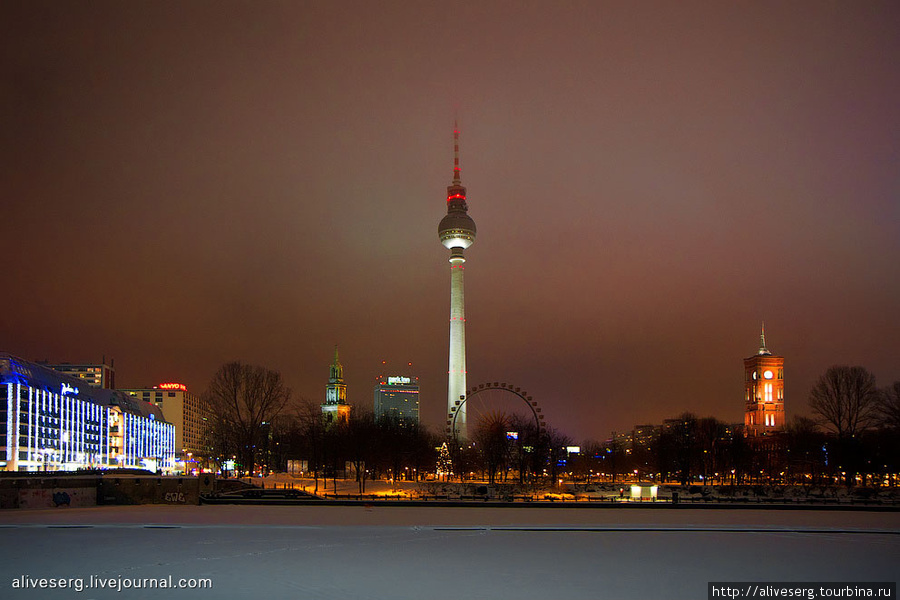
[[490, 439], [556, 451], [805, 454], [889, 407], [361, 435], [845, 400], [242, 400], [311, 433]]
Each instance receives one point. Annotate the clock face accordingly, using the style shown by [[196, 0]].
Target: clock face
[[754, 374], [768, 375]]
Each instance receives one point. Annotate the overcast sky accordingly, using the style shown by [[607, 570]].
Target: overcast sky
[[185, 184]]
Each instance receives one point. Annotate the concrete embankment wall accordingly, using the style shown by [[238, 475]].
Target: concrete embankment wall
[[60, 491]]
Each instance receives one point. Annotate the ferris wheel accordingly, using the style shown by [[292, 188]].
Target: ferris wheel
[[494, 403]]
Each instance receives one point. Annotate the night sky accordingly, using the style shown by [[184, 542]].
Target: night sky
[[185, 184]]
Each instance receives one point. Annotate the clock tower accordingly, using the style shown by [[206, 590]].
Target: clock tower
[[763, 391]]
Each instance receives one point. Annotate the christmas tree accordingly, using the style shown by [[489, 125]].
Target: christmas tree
[[444, 464]]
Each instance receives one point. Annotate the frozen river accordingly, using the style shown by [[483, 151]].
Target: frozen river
[[394, 552]]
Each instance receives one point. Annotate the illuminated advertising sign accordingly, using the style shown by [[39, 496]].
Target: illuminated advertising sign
[[68, 389], [172, 386], [398, 380], [512, 435]]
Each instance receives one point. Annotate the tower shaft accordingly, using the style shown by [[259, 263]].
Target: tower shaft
[[456, 384], [457, 232]]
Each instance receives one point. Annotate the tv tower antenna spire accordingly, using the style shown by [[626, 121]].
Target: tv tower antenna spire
[[457, 232]]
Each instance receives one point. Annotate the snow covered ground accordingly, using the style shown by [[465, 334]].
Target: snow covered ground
[[394, 552]]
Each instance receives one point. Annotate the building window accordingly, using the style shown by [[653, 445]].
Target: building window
[[768, 392]]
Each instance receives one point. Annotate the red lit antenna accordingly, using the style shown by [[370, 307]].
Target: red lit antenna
[[456, 179]]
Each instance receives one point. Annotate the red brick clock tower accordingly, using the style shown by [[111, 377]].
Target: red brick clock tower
[[763, 391]]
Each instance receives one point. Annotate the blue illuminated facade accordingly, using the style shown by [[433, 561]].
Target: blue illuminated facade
[[53, 422]]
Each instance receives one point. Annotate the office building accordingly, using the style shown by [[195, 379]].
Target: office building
[[397, 398], [101, 376], [182, 409]]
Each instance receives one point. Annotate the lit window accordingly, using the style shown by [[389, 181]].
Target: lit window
[[768, 392]]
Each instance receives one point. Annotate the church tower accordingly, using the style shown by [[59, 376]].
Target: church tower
[[763, 391], [335, 409]]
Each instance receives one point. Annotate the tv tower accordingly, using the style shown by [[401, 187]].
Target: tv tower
[[457, 232]]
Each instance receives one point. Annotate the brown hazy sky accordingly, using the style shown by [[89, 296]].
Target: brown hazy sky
[[185, 184]]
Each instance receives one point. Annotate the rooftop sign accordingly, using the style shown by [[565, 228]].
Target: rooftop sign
[[172, 386]]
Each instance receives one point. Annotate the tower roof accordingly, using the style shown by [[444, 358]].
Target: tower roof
[[763, 351]]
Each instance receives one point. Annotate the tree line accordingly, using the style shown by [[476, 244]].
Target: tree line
[[252, 419], [852, 437]]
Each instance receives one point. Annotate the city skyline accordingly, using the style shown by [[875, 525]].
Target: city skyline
[[227, 182]]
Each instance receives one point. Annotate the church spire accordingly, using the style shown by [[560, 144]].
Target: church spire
[[762, 341], [337, 369]]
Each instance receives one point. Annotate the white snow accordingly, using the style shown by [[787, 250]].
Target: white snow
[[395, 552]]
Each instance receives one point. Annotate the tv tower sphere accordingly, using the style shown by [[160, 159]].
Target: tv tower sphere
[[457, 232], [457, 229]]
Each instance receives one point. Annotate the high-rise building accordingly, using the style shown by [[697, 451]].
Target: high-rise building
[[101, 376], [763, 391], [397, 398], [457, 232], [335, 409], [180, 408]]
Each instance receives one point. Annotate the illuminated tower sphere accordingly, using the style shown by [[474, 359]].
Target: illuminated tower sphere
[[457, 232], [335, 409], [763, 391]]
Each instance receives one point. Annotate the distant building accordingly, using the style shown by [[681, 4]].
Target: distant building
[[180, 408], [50, 421], [101, 376], [763, 391], [622, 440], [398, 398], [643, 437], [335, 409]]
